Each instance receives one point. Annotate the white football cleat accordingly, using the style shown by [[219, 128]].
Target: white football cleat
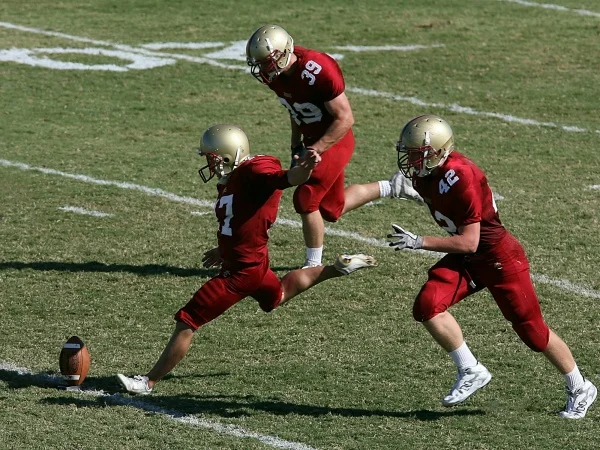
[[468, 381], [402, 188], [347, 264], [136, 385], [579, 401]]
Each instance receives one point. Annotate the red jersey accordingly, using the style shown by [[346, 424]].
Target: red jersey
[[246, 208], [316, 79], [458, 194]]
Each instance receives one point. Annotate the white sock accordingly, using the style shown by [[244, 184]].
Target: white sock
[[462, 357], [314, 256], [385, 188], [574, 379]]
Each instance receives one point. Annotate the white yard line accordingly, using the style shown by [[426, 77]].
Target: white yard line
[[455, 107], [85, 212], [118, 399], [561, 284], [126, 48], [136, 187], [581, 12]]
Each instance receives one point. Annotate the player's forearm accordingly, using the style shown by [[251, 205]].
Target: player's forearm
[[296, 137], [336, 131], [298, 175], [451, 244]]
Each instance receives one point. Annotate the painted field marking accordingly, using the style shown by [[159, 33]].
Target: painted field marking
[[236, 52], [562, 284], [136, 187], [120, 400], [125, 48], [581, 12], [30, 58], [455, 107], [86, 212]]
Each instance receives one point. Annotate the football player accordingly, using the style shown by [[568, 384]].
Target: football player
[[481, 254], [249, 191], [310, 85]]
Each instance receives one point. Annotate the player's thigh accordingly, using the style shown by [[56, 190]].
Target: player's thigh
[[269, 294], [518, 301], [446, 285], [332, 204], [516, 297], [328, 175], [209, 302]]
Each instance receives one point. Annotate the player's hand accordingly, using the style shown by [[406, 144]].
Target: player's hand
[[402, 188], [212, 258], [402, 239], [309, 160], [297, 152]]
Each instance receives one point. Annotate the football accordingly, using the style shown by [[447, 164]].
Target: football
[[74, 361]]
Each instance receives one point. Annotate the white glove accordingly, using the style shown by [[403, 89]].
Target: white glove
[[404, 239], [402, 188]]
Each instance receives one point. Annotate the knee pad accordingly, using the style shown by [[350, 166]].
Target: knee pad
[[424, 307], [302, 203], [268, 307], [534, 333], [330, 216]]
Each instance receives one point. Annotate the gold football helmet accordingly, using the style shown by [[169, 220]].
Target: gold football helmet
[[225, 147], [425, 143], [268, 52]]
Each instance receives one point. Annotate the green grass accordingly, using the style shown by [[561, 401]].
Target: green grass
[[344, 366]]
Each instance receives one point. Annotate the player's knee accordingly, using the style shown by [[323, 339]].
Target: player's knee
[[330, 216], [266, 308], [300, 208], [302, 203], [425, 306], [268, 305], [534, 333]]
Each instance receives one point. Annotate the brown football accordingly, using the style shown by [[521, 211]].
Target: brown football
[[74, 361]]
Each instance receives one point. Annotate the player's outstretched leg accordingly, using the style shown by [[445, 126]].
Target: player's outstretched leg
[[402, 188], [347, 264]]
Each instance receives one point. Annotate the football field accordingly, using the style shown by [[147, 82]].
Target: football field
[[104, 221]]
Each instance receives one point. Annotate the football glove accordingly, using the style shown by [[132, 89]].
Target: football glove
[[297, 150], [212, 258], [402, 188], [404, 239]]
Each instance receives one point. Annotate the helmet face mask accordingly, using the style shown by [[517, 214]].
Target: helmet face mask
[[214, 166], [268, 52], [225, 148], [425, 143]]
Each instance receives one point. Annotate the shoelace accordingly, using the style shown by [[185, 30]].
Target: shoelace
[[580, 407]]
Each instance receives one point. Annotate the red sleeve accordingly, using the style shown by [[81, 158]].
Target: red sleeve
[[267, 171]]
